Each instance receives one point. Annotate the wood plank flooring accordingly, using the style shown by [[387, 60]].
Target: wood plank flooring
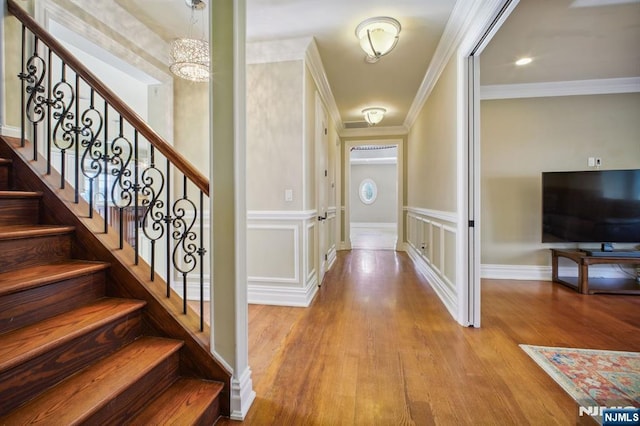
[[377, 347]]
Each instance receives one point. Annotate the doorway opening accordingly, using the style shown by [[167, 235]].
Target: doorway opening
[[373, 196]]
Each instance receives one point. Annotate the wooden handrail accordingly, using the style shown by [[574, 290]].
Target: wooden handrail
[[114, 100]]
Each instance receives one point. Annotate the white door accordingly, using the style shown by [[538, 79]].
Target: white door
[[322, 186]]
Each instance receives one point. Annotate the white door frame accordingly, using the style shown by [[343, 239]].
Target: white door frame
[[469, 173], [322, 185], [399, 182]]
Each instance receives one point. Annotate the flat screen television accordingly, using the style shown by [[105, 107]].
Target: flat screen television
[[596, 206]]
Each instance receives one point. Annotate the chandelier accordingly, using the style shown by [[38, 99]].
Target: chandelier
[[190, 56]]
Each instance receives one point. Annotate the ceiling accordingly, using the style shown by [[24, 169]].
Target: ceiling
[[567, 39]]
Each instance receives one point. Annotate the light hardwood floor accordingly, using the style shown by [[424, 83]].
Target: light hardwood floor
[[377, 347]]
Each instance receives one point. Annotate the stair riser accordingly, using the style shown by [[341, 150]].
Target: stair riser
[[210, 415], [25, 252], [30, 378], [19, 211], [140, 393], [30, 306], [4, 178]]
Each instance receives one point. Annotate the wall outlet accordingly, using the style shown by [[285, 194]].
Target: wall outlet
[[591, 162], [598, 162], [288, 194]]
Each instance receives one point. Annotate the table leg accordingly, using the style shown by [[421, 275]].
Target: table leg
[[583, 278], [554, 266]]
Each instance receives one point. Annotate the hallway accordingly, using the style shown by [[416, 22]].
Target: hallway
[[377, 347]]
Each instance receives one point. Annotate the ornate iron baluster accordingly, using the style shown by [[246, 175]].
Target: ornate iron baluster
[[201, 252], [77, 129], [153, 183], [49, 104], [32, 77], [184, 250], [91, 156], [136, 189], [168, 220], [121, 197], [105, 159], [64, 130]]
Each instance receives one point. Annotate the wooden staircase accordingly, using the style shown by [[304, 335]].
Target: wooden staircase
[[68, 353]]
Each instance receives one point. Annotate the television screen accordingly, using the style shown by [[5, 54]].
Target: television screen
[[599, 206]]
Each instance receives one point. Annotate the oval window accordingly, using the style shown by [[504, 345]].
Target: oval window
[[368, 191]]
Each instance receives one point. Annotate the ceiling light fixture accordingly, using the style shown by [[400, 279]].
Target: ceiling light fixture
[[523, 61], [378, 36], [190, 56], [373, 115]]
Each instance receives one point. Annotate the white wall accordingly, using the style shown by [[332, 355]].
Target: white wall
[[383, 209]]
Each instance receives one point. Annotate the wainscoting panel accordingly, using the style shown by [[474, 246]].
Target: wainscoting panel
[[431, 244], [264, 240], [333, 245], [281, 257]]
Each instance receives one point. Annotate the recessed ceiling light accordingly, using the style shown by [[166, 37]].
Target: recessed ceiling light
[[523, 61]]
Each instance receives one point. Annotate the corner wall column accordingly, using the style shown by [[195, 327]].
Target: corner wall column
[[229, 331]]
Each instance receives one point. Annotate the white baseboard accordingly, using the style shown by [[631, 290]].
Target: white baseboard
[[543, 273], [193, 289], [439, 286], [10, 131], [331, 258], [259, 294], [344, 245], [242, 395]]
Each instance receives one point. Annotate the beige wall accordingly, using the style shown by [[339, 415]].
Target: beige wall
[[431, 217], [431, 146], [11, 84], [520, 138], [191, 128], [309, 124], [274, 135]]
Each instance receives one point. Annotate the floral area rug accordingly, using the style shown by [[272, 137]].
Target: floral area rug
[[592, 377]]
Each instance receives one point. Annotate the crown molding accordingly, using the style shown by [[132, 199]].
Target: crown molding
[[561, 88], [459, 22], [263, 52], [316, 68], [374, 131], [150, 54]]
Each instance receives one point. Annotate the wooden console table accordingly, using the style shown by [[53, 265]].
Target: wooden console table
[[583, 284]]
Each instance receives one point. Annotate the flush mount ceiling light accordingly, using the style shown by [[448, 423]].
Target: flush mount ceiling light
[[190, 56], [378, 36], [373, 115], [523, 61]]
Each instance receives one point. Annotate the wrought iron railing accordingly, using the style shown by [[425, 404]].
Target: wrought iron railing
[[143, 188]]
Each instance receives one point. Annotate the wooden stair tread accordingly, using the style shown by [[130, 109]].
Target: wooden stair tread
[[26, 343], [84, 393], [181, 403], [20, 194], [14, 232], [35, 276]]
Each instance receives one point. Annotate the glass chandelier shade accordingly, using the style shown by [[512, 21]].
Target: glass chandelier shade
[[378, 36], [189, 55], [373, 115], [190, 59]]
